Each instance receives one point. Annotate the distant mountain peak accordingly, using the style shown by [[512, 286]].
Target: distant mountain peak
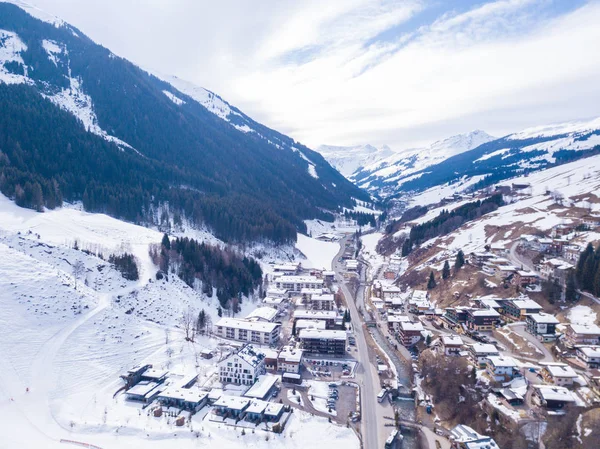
[[349, 159]]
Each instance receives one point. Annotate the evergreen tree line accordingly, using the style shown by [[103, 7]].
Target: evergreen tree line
[[126, 264], [63, 162], [447, 222], [217, 268], [362, 218], [587, 272]]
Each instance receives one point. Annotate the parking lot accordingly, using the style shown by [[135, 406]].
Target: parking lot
[[329, 369]]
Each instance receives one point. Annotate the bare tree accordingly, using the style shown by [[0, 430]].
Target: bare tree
[[187, 321], [78, 270]]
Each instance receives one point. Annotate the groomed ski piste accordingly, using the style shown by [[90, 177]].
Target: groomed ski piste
[[65, 341]]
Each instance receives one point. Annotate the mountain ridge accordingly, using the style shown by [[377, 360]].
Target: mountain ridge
[[243, 185]]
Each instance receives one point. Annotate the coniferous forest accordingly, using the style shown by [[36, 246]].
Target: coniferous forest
[[220, 269]]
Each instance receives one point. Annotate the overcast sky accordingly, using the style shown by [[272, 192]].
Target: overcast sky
[[346, 72]]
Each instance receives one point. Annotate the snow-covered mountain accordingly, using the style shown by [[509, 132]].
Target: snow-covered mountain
[[348, 160], [516, 154], [477, 159], [144, 140], [386, 175]]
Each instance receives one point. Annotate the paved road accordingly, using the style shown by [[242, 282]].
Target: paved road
[[589, 296], [519, 328], [373, 430], [518, 260]]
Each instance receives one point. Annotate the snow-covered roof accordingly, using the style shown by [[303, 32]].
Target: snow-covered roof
[[526, 304], [311, 324], [323, 297], [484, 312], [585, 329], [184, 394], [502, 361], [419, 294], [262, 313], [324, 334], [452, 340], [561, 370], [484, 348], [257, 407], [409, 326], [290, 354], [232, 402], [590, 351], [300, 279], [397, 318], [154, 373], [143, 388], [543, 318], [262, 387], [273, 301], [315, 314], [553, 393], [273, 409], [237, 323], [490, 303]]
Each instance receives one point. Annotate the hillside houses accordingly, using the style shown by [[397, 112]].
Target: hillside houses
[[542, 325], [589, 355], [580, 334], [559, 374]]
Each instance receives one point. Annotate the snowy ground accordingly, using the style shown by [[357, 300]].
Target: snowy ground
[[577, 183], [318, 254], [67, 340], [582, 315]]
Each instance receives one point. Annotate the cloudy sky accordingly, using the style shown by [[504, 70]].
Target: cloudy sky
[[343, 72]]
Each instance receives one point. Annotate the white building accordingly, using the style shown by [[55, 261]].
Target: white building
[[264, 314], [559, 374], [452, 344], [480, 353], [295, 284], [322, 302], [243, 367], [289, 359], [590, 355], [310, 324], [501, 368], [248, 331]]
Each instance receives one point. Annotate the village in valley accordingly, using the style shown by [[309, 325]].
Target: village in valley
[[366, 337]]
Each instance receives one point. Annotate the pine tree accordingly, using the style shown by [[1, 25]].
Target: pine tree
[[446, 270], [219, 311], [201, 323], [460, 260], [587, 253], [570, 288], [431, 283], [166, 242], [406, 247]]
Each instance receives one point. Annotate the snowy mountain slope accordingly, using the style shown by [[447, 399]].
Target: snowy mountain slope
[[186, 147], [578, 183], [513, 155], [348, 160], [385, 176], [64, 345]]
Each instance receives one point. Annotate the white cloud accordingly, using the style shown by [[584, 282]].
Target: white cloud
[[316, 71]]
